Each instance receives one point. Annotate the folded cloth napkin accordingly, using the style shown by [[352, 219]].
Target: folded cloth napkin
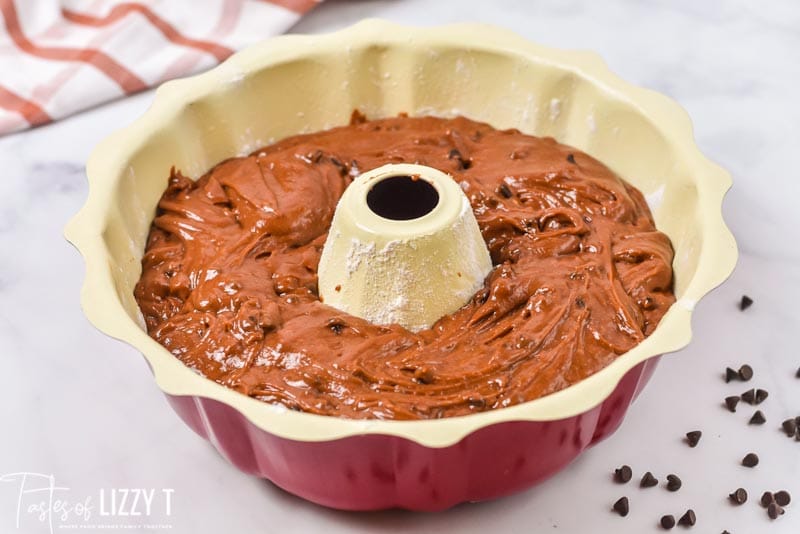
[[58, 57]]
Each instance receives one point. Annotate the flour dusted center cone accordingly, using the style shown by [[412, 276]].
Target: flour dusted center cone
[[404, 247]]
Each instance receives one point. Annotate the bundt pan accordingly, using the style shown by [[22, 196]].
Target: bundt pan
[[293, 84]]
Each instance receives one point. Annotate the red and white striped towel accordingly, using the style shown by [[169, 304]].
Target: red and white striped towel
[[58, 57]]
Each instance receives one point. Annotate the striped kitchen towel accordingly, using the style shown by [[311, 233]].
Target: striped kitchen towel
[[58, 57]]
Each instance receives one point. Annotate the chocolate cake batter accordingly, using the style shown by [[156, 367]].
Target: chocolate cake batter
[[229, 282]]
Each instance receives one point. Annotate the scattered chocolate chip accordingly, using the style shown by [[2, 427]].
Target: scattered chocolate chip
[[693, 437], [783, 498], [758, 418], [766, 498], [761, 395], [745, 372], [571, 158], [673, 483], [622, 507], [504, 191], [790, 427], [774, 510], [739, 496], [797, 374], [667, 521], [648, 480], [749, 396], [731, 402], [750, 460], [745, 303], [725, 532], [730, 374], [623, 474], [688, 519]]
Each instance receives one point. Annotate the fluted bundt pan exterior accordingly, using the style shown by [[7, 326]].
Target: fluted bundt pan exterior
[[295, 84]]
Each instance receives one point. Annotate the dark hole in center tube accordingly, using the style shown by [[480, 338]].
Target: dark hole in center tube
[[402, 198]]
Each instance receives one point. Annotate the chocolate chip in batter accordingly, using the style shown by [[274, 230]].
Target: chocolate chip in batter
[[622, 506], [693, 438], [745, 303], [758, 418], [648, 480], [623, 475], [739, 496], [463, 164], [750, 460], [504, 191], [571, 159], [424, 375], [336, 325]]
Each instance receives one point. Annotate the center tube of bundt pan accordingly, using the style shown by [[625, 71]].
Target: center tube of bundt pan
[[403, 248]]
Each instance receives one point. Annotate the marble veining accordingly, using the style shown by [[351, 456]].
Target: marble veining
[[84, 407]]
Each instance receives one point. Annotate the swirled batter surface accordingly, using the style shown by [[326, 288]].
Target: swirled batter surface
[[229, 281]]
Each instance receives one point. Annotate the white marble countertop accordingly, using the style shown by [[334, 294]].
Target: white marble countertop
[[84, 408]]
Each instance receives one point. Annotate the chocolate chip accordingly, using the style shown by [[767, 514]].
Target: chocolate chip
[[623, 474], [783, 498], [571, 158], [790, 427], [730, 374], [774, 510], [504, 191], [648, 480], [424, 375], [745, 303], [673, 483], [693, 437], [745, 372], [739, 496], [731, 403], [688, 519], [725, 532], [622, 506], [757, 419], [462, 163], [749, 396], [766, 498], [750, 460], [667, 521], [797, 374], [761, 395], [336, 325]]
